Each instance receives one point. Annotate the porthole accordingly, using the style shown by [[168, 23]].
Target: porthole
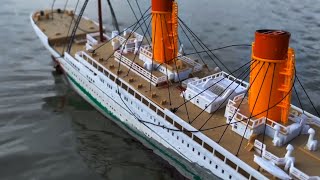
[[198, 153], [216, 166], [222, 171], [230, 177], [210, 162]]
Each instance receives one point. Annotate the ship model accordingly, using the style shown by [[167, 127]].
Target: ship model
[[232, 128]]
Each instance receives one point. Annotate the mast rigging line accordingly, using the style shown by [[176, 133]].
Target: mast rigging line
[[204, 46], [141, 15], [52, 6], [72, 19], [164, 51], [137, 19], [307, 95], [175, 51], [301, 106], [265, 124], [254, 105], [65, 6], [113, 15], [74, 30], [240, 102], [193, 45], [125, 42]]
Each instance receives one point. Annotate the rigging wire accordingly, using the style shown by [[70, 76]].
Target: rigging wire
[[114, 17], [265, 124], [74, 30], [52, 6], [300, 103], [141, 15], [65, 7], [254, 105], [153, 42], [224, 131], [137, 19], [307, 96], [165, 59], [178, 74], [193, 46], [72, 19], [204, 46]]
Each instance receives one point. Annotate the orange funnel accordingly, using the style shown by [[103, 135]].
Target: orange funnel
[[164, 30], [273, 73]]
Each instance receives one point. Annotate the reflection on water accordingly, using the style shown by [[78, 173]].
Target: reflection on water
[[49, 132]]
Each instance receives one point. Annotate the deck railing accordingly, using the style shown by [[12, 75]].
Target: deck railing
[[294, 172], [139, 70]]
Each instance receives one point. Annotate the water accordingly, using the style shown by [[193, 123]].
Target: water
[[48, 132]]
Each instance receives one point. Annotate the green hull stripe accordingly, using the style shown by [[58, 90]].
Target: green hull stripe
[[128, 127]]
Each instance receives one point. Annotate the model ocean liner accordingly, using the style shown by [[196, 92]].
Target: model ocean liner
[[235, 129]]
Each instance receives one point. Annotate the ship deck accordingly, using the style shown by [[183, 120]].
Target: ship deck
[[306, 161]]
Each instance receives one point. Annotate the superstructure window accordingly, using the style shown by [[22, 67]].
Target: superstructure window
[[169, 119], [111, 77], [131, 91], [144, 101], [125, 87], [208, 147], [198, 140], [178, 126], [100, 69], [152, 107], [106, 73], [138, 96], [118, 82], [160, 113], [94, 65]]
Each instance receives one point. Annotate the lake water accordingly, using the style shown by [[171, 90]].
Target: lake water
[[48, 132]]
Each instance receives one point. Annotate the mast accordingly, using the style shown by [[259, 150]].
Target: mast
[[100, 21]]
